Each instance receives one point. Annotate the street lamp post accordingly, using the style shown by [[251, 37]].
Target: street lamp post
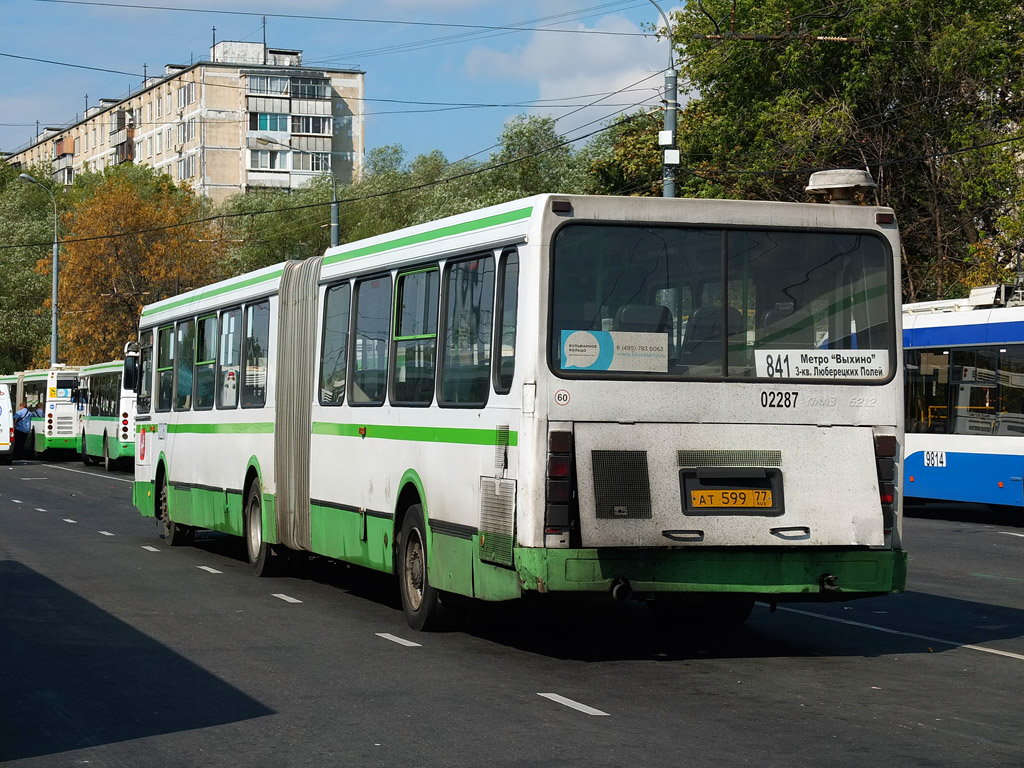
[[667, 138], [334, 182], [56, 262]]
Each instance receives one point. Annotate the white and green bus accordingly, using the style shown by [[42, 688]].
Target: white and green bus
[[52, 390], [106, 406], [691, 402]]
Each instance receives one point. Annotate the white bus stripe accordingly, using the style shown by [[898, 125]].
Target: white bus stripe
[[954, 643], [208, 569], [574, 705], [286, 598], [399, 640]]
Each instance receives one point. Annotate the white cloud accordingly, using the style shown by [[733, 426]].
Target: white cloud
[[578, 68]]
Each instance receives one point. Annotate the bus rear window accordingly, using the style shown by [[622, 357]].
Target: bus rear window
[[703, 303]]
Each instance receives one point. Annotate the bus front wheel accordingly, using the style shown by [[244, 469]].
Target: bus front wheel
[[175, 534]]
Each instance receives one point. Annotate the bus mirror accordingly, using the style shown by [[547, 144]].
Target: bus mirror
[[131, 372]]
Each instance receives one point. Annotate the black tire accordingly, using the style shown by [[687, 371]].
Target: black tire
[[86, 458], [175, 534], [420, 601], [30, 446], [262, 557], [108, 463]]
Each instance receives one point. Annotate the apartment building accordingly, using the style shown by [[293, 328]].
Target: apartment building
[[250, 117]]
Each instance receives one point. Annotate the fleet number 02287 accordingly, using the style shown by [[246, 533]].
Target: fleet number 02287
[[771, 399]]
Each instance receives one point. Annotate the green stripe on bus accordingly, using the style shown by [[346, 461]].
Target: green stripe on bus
[[226, 428], [414, 434], [423, 237], [105, 368], [206, 294]]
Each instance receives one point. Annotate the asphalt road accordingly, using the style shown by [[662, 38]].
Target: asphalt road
[[116, 650]]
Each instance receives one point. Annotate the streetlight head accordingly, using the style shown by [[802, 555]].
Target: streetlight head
[[26, 177]]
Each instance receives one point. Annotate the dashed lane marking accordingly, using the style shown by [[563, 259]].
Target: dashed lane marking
[[286, 598], [1008, 533], [149, 548], [35, 478], [16, 501], [954, 643], [208, 569], [40, 509], [574, 705], [105, 533], [69, 520], [399, 640]]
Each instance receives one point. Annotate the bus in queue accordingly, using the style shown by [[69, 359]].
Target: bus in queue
[[689, 402], [52, 391], [7, 409], [964, 361], [106, 407]]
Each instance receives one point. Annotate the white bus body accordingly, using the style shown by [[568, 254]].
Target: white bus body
[[107, 413], [52, 390], [563, 393], [7, 409]]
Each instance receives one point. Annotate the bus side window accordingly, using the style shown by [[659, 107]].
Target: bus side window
[[145, 377], [229, 362], [206, 362], [183, 370], [372, 339], [334, 350], [257, 355], [164, 368], [415, 338], [505, 358], [466, 350]]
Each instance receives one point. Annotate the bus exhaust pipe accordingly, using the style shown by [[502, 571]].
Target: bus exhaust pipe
[[621, 590]]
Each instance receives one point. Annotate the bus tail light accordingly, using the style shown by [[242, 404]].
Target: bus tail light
[[124, 416], [886, 454], [560, 490]]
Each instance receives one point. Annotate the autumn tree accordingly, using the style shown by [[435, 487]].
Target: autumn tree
[[131, 239]]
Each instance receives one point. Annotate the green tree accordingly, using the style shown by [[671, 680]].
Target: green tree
[[924, 93], [26, 216]]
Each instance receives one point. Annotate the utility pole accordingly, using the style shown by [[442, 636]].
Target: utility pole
[[667, 137]]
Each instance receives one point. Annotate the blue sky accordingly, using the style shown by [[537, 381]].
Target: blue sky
[[403, 62]]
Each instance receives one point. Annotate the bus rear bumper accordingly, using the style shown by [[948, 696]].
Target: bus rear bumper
[[780, 574]]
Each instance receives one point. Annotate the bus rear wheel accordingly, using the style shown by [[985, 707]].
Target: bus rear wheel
[[420, 601], [86, 458], [262, 557], [108, 463], [175, 534]]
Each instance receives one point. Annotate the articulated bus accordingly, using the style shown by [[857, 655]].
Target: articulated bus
[[690, 402], [53, 391], [106, 406], [964, 362]]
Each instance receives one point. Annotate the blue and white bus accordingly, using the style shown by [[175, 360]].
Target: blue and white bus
[[964, 362]]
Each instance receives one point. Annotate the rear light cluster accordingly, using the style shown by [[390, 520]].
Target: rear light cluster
[[49, 421], [886, 450], [12, 434], [124, 425], [560, 490]]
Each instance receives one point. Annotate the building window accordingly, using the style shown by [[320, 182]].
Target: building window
[[267, 85], [186, 95], [311, 124], [187, 167], [311, 88], [268, 160], [149, 146], [159, 103], [186, 130], [159, 143], [267, 121], [311, 161]]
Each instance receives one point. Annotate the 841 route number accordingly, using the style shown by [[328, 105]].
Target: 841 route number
[[778, 399]]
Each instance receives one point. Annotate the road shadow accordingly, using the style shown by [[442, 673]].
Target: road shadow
[[984, 514], [74, 676]]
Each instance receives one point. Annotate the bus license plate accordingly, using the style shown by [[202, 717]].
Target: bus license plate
[[726, 499]]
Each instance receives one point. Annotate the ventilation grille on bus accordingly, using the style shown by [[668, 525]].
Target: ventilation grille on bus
[[65, 425], [728, 458], [622, 486], [497, 520]]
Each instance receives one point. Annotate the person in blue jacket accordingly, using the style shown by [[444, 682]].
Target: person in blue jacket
[[22, 426]]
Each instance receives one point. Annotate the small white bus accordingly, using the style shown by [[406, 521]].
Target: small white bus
[[7, 409], [692, 402], [106, 406]]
